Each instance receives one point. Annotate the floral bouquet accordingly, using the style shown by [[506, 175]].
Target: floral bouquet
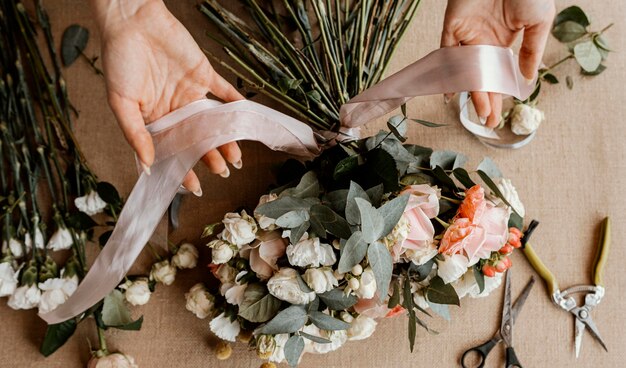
[[368, 230]]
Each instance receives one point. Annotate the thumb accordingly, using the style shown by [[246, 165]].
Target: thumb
[[133, 126], [533, 46]]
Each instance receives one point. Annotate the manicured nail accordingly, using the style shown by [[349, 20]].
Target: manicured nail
[[238, 165], [198, 193], [145, 168], [183, 190], [482, 120], [225, 173]]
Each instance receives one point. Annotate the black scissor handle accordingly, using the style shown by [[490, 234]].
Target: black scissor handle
[[511, 358], [481, 350]]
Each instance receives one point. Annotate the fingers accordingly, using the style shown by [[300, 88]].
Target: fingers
[[495, 101], [223, 90], [448, 39], [216, 163], [133, 126], [192, 183], [533, 46], [232, 153], [482, 105]]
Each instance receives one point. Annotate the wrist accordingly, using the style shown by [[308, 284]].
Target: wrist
[[112, 14]]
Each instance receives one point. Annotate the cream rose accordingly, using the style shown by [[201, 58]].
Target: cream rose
[[361, 328], [284, 285], [239, 229], [265, 222], [221, 251], [310, 252], [115, 360], [163, 272], [136, 292], [510, 194], [199, 301], [186, 256], [525, 119], [55, 292], [320, 280]]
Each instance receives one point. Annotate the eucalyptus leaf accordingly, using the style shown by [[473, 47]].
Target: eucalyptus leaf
[[574, 14], [372, 222], [415, 179], [73, 43], [258, 305], [352, 253], [422, 271], [382, 264], [568, 31], [441, 293], [292, 219], [114, 311], [325, 322], [307, 187], [297, 232], [587, 56], [332, 222], [428, 124], [288, 320], [293, 349], [440, 309], [443, 178], [490, 168], [447, 160], [397, 126], [317, 339], [56, 336], [280, 206], [391, 213], [336, 299], [375, 194], [81, 221], [352, 210], [600, 69], [338, 199]]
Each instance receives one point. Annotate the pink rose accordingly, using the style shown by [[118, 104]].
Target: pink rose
[[425, 197], [479, 228], [265, 252]]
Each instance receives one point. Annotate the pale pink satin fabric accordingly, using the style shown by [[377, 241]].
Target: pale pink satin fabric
[[183, 136]]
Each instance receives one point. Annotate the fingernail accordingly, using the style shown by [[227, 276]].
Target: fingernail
[[529, 81], [145, 168], [225, 173], [183, 190], [483, 120], [446, 99], [198, 193], [238, 165]]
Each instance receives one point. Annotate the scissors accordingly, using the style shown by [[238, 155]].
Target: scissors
[[563, 299], [505, 332]]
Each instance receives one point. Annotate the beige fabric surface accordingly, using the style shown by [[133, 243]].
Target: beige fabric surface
[[569, 178]]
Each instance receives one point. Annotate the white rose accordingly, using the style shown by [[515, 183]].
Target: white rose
[[361, 328], [15, 247], [422, 255], [115, 360], [61, 239], [367, 284], [310, 252], [163, 272], [239, 229], [221, 251], [39, 242], [285, 286], [265, 222], [55, 292], [25, 297], [8, 279], [137, 292], [199, 301], [278, 354], [525, 119], [320, 280], [186, 256], [226, 276], [91, 203], [337, 339], [452, 267], [510, 194], [224, 328]]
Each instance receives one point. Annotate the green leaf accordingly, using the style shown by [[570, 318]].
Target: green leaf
[[440, 309], [490, 168], [326, 322], [480, 278], [346, 166], [383, 166], [516, 221], [569, 82], [352, 252], [396, 124], [132, 326], [443, 178], [441, 293], [293, 349], [494, 189], [394, 300], [568, 31], [382, 264], [550, 78], [292, 219], [308, 186], [258, 305], [317, 339], [57, 335], [81, 221], [73, 43], [336, 299], [104, 237], [587, 56], [422, 154], [337, 199], [108, 193], [422, 271], [407, 303], [288, 320], [600, 69], [297, 232], [391, 213], [372, 222], [463, 177], [114, 311], [416, 179], [281, 206], [210, 230], [332, 222], [287, 84], [447, 160], [375, 194], [428, 124], [352, 210], [573, 14]]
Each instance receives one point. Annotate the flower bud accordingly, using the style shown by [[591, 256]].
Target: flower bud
[[357, 270], [223, 350], [354, 283]]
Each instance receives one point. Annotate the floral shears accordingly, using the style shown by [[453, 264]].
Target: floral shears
[[505, 332], [564, 299]]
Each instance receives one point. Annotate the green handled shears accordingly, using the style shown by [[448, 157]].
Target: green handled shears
[[563, 299]]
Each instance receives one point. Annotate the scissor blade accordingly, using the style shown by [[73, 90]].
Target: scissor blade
[[506, 323], [594, 331], [521, 299], [580, 329]]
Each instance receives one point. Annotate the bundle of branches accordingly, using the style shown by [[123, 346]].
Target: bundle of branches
[[311, 56]]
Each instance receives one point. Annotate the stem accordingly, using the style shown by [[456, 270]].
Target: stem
[[455, 201], [102, 342]]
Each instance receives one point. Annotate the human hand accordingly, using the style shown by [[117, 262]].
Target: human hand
[[498, 22], [153, 66]]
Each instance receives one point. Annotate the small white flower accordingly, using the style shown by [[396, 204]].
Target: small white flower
[[265, 346], [224, 328], [361, 328], [265, 222], [15, 247], [60, 240], [8, 279], [278, 355], [510, 194], [320, 280], [115, 360], [234, 295], [310, 252], [221, 251], [186, 256], [55, 292], [90, 203], [367, 284], [136, 292], [452, 267], [163, 272], [239, 229], [199, 301], [525, 119], [285, 286], [25, 297], [39, 242]]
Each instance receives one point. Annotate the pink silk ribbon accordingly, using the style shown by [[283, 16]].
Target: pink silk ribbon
[[183, 136]]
